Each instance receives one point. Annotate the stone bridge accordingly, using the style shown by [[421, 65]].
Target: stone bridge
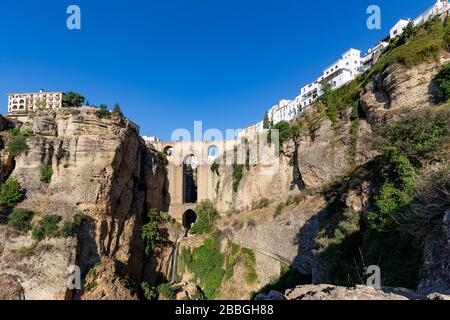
[[189, 174]]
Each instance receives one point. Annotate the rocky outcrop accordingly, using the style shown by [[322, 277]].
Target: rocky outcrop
[[399, 88], [106, 281], [329, 292], [437, 260], [10, 288], [101, 167]]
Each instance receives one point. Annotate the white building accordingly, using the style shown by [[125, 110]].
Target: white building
[[398, 28], [439, 7], [337, 74], [24, 102], [151, 139], [373, 54], [282, 111]]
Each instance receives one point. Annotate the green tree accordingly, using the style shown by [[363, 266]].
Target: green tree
[[11, 192], [266, 122], [72, 99], [117, 111], [103, 111]]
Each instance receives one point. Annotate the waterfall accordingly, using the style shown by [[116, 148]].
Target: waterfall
[[175, 262]]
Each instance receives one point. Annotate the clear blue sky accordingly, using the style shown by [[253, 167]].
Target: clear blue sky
[[170, 62]]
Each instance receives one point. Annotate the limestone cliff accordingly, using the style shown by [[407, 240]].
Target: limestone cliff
[[102, 168]]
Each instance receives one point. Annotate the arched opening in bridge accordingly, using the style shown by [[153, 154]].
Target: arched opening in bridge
[[189, 218], [190, 165]]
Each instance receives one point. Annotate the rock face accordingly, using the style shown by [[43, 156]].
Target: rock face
[[398, 88], [329, 292], [10, 288], [437, 261], [106, 282], [102, 168]]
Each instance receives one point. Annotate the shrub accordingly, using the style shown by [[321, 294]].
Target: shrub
[[426, 45], [20, 219], [261, 204], [47, 227], [70, 227], [46, 173], [418, 135], [238, 172], [61, 154], [215, 167], [103, 111], [150, 293], [206, 218], [17, 144], [284, 131], [207, 262], [279, 209], [443, 81], [166, 291], [117, 111], [251, 223], [150, 232], [11, 192], [72, 99]]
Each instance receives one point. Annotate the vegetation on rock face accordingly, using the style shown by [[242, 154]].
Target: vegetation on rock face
[[20, 219], [117, 111], [238, 172], [385, 235], [206, 218], [46, 173], [103, 111], [72, 99], [151, 233], [416, 46], [71, 227], [215, 167], [18, 142], [207, 266], [443, 81], [11, 192], [165, 290], [47, 227]]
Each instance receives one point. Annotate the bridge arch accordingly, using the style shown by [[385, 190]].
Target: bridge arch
[[189, 218], [190, 192]]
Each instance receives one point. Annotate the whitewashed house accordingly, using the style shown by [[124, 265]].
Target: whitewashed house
[[439, 7], [373, 54], [398, 28], [337, 74]]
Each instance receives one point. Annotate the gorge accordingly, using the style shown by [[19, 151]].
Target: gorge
[[362, 179]]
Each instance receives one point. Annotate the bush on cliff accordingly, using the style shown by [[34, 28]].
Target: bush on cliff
[[443, 81], [46, 173], [20, 219], [206, 218], [18, 142], [47, 227], [11, 192]]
